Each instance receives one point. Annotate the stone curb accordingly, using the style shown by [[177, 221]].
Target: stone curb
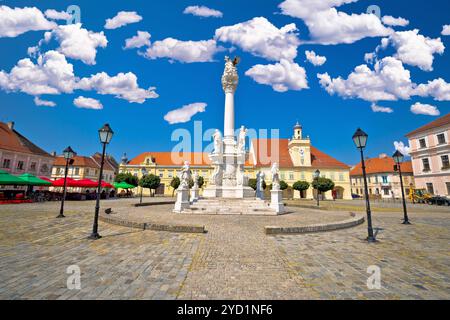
[[152, 226], [357, 220], [149, 204]]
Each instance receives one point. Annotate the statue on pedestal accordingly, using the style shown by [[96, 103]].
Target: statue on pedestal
[[195, 178], [241, 140], [185, 176], [275, 177], [230, 78], [260, 185], [218, 143]]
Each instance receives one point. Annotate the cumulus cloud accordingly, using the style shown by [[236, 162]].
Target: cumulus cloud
[[57, 15], [87, 103], [14, 22], [138, 41], [282, 76], [395, 22], [45, 103], [203, 11], [425, 109], [183, 51], [76, 42], [185, 113], [123, 86], [446, 30], [415, 49], [377, 108], [122, 19], [329, 26], [52, 74], [438, 89], [313, 58], [400, 146], [261, 38], [389, 80]]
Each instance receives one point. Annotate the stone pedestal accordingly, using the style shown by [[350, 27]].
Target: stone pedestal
[[182, 202], [276, 202], [195, 194]]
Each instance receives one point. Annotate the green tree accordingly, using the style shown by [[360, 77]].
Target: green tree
[[175, 183], [151, 182], [301, 186], [128, 178], [323, 185], [201, 182]]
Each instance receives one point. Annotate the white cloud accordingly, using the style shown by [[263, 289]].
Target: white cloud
[[87, 103], [329, 26], [439, 89], [183, 51], [39, 102], [377, 108], [203, 11], [52, 74], [138, 41], [389, 80], [415, 49], [77, 42], [395, 22], [14, 22], [185, 113], [261, 38], [425, 109], [122, 19], [400, 146], [282, 76], [446, 30], [57, 15], [370, 57], [316, 60], [123, 86]]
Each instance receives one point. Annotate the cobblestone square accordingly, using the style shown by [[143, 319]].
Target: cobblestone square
[[235, 259]]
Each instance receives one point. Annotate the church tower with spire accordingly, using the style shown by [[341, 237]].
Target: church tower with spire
[[300, 148]]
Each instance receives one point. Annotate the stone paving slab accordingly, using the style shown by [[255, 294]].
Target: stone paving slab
[[234, 260]]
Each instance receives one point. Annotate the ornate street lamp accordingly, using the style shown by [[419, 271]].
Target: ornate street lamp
[[105, 135], [144, 173], [316, 177], [360, 140], [68, 155], [398, 158]]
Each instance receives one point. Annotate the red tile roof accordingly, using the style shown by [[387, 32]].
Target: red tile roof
[[381, 165], [12, 140], [319, 159], [82, 161], [445, 120]]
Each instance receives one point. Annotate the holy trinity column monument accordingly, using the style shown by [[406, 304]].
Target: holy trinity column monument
[[229, 155]]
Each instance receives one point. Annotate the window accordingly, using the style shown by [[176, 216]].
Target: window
[[385, 179], [341, 177], [282, 176], [33, 166], [6, 163], [20, 165], [441, 138], [170, 174], [386, 192], [445, 162], [376, 179], [430, 188], [44, 168], [426, 165], [77, 171], [422, 143], [291, 176]]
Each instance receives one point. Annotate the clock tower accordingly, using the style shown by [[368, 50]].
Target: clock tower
[[300, 148]]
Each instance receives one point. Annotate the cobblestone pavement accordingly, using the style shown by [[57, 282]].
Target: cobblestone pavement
[[234, 260]]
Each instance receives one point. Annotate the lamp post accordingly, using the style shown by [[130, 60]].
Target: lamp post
[[105, 134], [398, 158], [144, 173], [316, 177], [360, 140], [68, 155]]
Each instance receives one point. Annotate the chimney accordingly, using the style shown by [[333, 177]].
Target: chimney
[[53, 153], [10, 125]]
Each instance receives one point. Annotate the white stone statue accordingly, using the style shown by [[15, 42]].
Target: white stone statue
[[218, 143], [195, 178], [185, 176], [216, 178], [275, 177], [260, 185], [241, 140], [230, 78]]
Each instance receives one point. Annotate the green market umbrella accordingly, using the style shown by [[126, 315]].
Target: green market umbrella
[[34, 181], [123, 185], [7, 179]]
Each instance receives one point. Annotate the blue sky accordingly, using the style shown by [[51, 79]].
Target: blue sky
[[330, 119]]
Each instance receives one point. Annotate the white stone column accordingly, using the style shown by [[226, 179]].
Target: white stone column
[[229, 114]]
